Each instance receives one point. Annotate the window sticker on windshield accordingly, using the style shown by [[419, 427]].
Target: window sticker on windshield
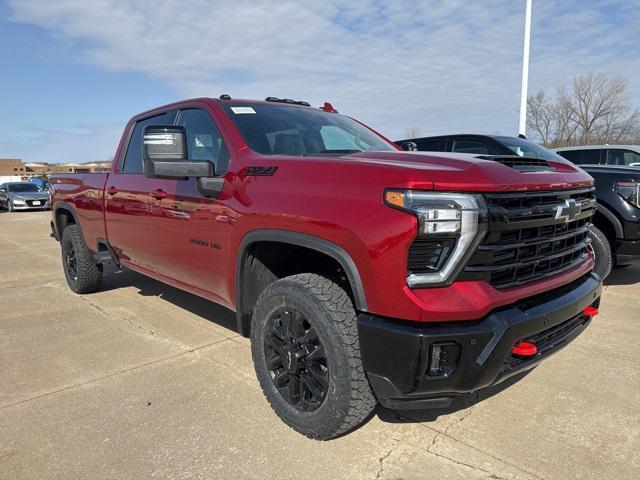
[[242, 110]]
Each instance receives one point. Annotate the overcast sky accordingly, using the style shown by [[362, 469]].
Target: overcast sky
[[73, 72]]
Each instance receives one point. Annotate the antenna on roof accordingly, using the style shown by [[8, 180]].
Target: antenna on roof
[[224, 96]]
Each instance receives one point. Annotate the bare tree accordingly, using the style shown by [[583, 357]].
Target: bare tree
[[540, 115], [413, 132], [596, 110]]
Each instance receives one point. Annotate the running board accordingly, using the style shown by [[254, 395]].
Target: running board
[[106, 257]]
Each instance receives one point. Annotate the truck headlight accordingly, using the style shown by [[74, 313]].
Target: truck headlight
[[629, 190], [450, 226]]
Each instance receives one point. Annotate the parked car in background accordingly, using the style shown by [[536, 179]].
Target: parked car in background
[[23, 196], [482, 145], [619, 155], [610, 243], [616, 171], [362, 273], [42, 183]]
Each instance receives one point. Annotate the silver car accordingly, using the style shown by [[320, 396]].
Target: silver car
[[23, 196]]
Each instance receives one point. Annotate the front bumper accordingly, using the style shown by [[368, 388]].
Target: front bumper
[[396, 354], [29, 205]]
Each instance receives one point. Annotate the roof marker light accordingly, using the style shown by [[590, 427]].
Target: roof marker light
[[327, 107]]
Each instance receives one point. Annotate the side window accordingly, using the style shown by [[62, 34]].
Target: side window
[[204, 141], [472, 146], [582, 157], [623, 157], [431, 145], [133, 158]]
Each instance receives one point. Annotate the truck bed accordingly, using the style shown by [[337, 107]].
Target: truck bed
[[84, 192]]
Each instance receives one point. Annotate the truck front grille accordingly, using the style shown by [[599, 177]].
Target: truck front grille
[[531, 236]]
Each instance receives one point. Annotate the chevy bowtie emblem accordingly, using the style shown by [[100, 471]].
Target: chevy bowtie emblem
[[569, 211]]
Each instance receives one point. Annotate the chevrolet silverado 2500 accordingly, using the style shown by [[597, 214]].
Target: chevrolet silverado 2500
[[362, 274]]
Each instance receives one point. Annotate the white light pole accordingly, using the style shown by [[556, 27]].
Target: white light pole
[[522, 126]]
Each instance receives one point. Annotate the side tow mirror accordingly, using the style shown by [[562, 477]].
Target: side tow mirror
[[409, 146], [164, 154]]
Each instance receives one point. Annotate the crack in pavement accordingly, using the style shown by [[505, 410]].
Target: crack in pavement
[[384, 457], [442, 434]]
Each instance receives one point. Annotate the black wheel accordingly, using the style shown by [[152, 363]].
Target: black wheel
[[601, 252], [81, 272], [10, 206], [304, 343]]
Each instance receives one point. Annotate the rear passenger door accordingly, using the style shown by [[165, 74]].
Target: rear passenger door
[[127, 201]]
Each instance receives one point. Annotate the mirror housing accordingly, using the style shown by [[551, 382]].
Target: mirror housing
[[165, 155], [409, 146]]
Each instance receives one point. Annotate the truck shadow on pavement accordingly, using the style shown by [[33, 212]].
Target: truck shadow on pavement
[[148, 287], [212, 312], [627, 275]]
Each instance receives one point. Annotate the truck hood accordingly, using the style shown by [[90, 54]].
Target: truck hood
[[466, 172]]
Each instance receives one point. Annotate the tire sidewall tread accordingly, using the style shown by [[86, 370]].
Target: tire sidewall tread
[[330, 310], [602, 252], [88, 273]]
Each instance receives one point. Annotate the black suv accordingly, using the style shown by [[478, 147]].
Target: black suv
[[615, 236]]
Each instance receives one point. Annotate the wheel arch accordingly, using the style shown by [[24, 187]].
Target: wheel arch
[[611, 218], [294, 239], [62, 213]]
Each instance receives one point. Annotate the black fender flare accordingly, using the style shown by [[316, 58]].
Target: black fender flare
[[303, 240], [609, 215], [67, 208]]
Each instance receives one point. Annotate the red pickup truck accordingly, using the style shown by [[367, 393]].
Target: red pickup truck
[[362, 273]]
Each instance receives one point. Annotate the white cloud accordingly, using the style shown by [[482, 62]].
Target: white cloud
[[440, 66]]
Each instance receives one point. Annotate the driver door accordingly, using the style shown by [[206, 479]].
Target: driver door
[[191, 232]]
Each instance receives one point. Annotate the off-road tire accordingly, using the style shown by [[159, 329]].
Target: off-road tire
[[329, 310], [602, 252], [87, 275]]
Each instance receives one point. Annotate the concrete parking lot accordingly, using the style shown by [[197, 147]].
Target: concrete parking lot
[[141, 380]]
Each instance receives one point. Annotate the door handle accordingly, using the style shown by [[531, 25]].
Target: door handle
[[158, 193], [112, 190]]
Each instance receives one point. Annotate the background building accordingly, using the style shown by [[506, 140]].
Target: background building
[[13, 170]]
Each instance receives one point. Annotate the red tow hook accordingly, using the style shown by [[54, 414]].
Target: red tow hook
[[524, 349], [590, 311]]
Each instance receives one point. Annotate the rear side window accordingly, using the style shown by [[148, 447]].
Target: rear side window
[[133, 158], [472, 146], [582, 157], [618, 156], [431, 145], [204, 141]]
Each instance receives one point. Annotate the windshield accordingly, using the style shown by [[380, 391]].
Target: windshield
[[525, 148], [285, 130], [23, 187]]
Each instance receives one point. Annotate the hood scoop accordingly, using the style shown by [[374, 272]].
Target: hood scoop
[[523, 164]]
